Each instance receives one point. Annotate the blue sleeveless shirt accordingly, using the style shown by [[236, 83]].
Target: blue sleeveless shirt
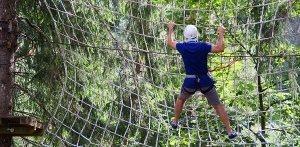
[[194, 56]]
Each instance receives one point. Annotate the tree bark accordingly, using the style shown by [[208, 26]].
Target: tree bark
[[8, 46]]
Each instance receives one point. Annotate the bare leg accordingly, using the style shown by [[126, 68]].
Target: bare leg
[[223, 116], [178, 108]]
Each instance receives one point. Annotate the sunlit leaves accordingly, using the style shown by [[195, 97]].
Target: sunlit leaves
[[95, 78]]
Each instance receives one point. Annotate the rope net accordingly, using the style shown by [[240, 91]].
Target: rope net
[[121, 80]]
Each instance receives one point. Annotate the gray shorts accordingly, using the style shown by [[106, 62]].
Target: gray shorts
[[211, 96]]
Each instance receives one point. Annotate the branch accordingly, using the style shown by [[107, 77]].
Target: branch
[[116, 41], [30, 141], [39, 31], [256, 134], [22, 73], [282, 130], [42, 106], [240, 43], [121, 53], [277, 103], [32, 96], [27, 113], [273, 85]]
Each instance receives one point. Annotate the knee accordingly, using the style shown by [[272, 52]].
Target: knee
[[181, 99], [217, 107]]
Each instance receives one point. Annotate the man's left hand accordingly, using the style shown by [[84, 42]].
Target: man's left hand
[[171, 25]]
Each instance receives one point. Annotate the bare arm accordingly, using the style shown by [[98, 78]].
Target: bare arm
[[220, 46], [171, 42]]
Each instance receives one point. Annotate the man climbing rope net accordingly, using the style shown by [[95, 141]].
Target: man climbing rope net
[[194, 56]]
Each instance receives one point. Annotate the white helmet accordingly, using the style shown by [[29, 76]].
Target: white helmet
[[190, 32]]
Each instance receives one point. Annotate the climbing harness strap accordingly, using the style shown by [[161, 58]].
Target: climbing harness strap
[[198, 84]]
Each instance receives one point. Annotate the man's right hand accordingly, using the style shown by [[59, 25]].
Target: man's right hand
[[221, 30], [171, 42]]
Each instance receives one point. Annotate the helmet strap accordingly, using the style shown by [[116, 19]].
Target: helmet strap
[[191, 39]]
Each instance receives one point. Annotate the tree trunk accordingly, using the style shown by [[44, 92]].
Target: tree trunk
[[262, 113], [8, 46]]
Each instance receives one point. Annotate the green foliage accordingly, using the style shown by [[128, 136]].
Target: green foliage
[[82, 76]]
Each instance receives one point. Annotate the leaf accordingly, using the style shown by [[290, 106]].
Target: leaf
[[239, 93]]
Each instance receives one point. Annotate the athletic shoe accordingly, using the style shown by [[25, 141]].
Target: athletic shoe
[[233, 135], [174, 126]]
